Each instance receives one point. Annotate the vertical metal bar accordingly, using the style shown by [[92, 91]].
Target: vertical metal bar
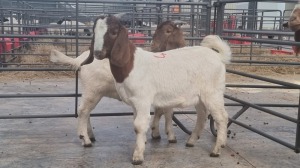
[[192, 24], [76, 80], [19, 28], [134, 21], [65, 28], [168, 11], [208, 16], [199, 19], [12, 32], [2, 57], [215, 20], [280, 25], [220, 18], [297, 144]]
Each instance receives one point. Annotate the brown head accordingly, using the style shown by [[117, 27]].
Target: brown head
[[167, 36], [110, 40], [294, 21]]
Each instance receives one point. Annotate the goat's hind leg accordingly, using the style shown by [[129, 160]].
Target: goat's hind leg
[[168, 112], [90, 130], [215, 105], [89, 102], [158, 112], [169, 126], [200, 123]]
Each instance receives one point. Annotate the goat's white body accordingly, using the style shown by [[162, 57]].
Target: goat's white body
[[97, 82], [189, 76], [172, 82]]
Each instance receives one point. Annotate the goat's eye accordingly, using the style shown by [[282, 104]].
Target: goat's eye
[[114, 32], [293, 18]]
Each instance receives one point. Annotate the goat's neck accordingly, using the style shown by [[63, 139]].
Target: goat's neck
[[120, 73]]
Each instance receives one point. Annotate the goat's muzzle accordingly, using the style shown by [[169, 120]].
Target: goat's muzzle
[[286, 24], [99, 54]]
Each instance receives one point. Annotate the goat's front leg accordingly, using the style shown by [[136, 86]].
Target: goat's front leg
[[141, 125], [89, 102]]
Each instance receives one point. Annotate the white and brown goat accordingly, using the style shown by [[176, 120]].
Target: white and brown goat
[[98, 82], [189, 76]]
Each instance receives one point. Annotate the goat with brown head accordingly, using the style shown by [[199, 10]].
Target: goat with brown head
[[142, 79], [167, 36], [294, 25], [111, 41]]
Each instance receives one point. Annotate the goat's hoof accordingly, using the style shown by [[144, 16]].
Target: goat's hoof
[[137, 162], [214, 155], [87, 145], [93, 139], [80, 136], [189, 145], [156, 137], [222, 146], [173, 141]]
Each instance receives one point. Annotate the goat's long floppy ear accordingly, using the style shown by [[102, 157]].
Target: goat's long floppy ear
[[175, 40], [120, 53], [90, 58]]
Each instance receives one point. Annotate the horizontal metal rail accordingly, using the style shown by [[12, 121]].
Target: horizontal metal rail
[[124, 2], [37, 95], [35, 69], [73, 115], [265, 135], [266, 62], [258, 86], [262, 109], [263, 41], [259, 32], [287, 84], [236, 1]]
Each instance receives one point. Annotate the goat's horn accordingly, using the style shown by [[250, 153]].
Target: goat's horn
[[179, 22], [119, 15]]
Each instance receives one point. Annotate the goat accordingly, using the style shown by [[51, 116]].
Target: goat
[[71, 29], [67, 27], [53, 28], [294, 25], [170, 37], [97, 82], [8, 23], [189, 76]]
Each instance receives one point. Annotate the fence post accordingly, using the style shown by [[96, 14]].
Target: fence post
[[297, 144]]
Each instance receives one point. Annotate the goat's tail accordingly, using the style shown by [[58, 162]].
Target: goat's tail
[[58, 57], [216, 43]]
